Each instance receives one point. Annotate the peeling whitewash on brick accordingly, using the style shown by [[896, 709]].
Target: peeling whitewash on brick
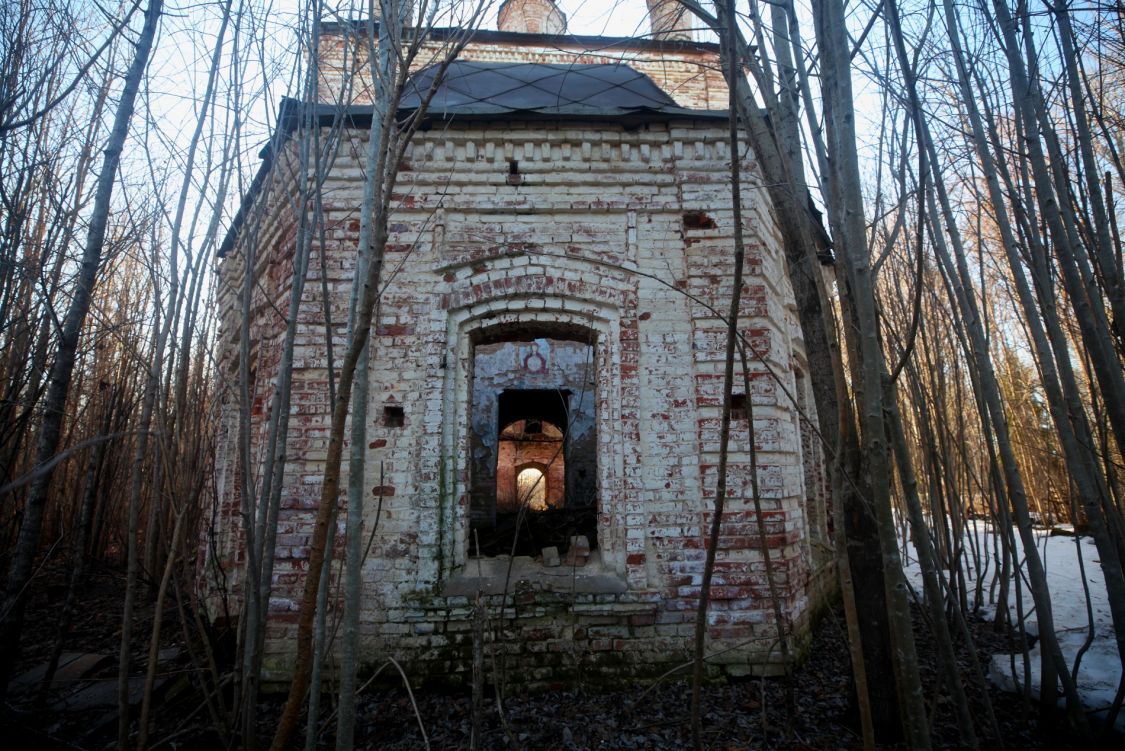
[[594, 239]]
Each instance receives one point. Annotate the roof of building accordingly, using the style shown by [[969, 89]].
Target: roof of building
[[479, 88], [514, 91], [477, 91]]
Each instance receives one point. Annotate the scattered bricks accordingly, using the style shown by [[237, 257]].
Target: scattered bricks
[[579, 552], [551, 557]]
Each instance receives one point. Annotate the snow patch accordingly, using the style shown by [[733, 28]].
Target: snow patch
[[1068, 561]]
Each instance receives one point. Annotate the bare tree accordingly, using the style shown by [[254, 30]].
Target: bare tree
[[62, 366], [395, 135]]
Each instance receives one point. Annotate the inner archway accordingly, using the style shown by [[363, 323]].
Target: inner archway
[[530, 467], [531, 488]]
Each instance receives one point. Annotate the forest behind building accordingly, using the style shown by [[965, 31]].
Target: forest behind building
[[946, 177]]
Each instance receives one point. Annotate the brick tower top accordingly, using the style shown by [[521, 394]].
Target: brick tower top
[[531, 17], [670, 21]]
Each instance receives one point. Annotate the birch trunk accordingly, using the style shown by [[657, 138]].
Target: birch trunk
[[268, 503], [731, 64], [1051, 193], [1016, 494], [777, 148], [366, 257], [394, 139], [1066, 406], [847, 218], [1103, 246]]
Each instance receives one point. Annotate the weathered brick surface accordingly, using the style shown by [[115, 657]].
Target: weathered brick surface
[[625, 234]]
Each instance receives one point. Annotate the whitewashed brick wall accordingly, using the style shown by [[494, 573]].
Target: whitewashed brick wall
[[594, 237]]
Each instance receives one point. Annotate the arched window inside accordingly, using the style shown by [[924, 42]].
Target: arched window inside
[[531, 488]]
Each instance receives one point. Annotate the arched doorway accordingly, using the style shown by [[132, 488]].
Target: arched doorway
[[533, 445]]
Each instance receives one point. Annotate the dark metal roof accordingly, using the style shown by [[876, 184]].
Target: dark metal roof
[[476, 88]]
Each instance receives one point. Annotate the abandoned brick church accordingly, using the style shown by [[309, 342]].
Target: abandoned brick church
[[546, 369]]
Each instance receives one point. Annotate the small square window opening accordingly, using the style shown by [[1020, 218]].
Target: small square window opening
[[738, 407], [393, 417]]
